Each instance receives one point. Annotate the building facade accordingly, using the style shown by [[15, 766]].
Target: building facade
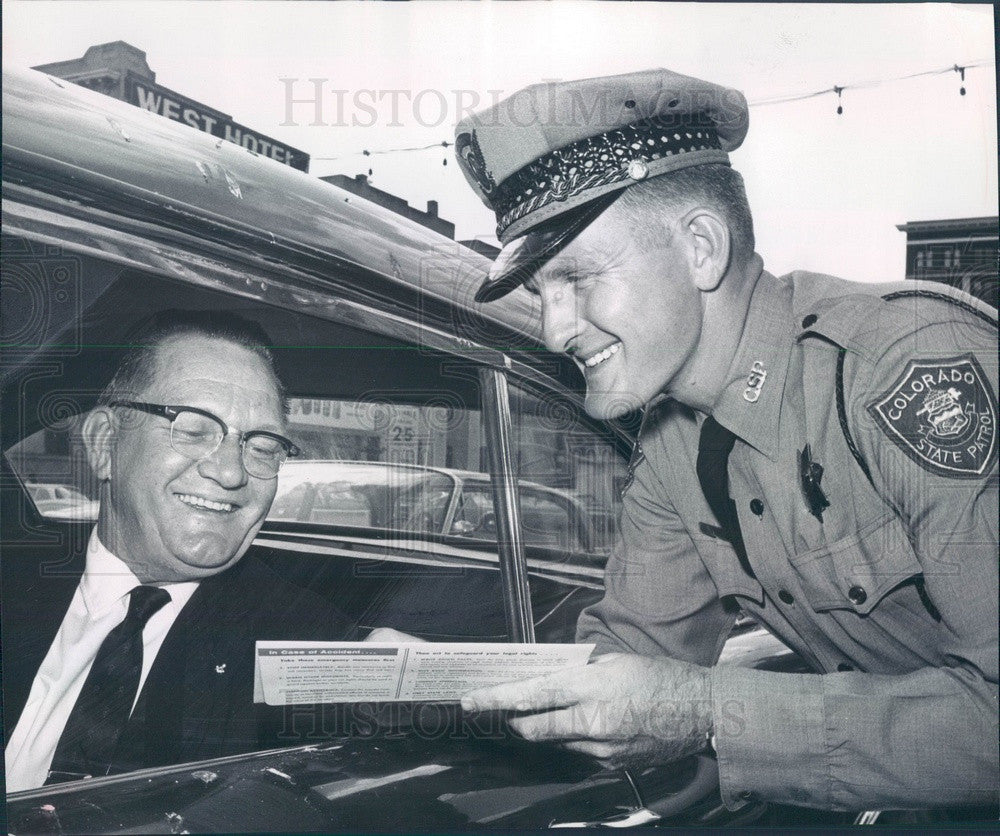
[[120, 70], [961, 252], [360, 186]]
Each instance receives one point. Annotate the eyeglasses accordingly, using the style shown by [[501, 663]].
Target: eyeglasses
[[197, 433]]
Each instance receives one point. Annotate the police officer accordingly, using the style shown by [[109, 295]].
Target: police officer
[[817, 453]]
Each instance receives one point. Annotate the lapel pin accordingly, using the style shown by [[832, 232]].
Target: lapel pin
[[220, 668]]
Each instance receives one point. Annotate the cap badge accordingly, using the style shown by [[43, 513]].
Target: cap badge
[[755, 382], [472, 155], [637, 169]]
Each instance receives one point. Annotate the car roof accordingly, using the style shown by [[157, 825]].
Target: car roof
[[119, 189], [99, 144]]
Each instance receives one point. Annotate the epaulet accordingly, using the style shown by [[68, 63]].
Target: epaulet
[[861, 322], [969, 304], [962, 301]]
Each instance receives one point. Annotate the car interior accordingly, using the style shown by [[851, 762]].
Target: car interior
[[355, 393]]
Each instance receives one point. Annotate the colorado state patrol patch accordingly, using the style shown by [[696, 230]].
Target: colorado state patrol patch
[[943, 415]]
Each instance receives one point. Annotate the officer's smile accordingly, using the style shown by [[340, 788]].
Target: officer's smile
[[602, 355]]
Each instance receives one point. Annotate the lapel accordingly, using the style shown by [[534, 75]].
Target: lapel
[[36, 595]]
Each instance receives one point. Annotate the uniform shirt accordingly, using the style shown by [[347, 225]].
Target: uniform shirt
[[890, 593], [99, 604]]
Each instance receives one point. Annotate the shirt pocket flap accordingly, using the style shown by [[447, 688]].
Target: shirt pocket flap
[[858, 571]]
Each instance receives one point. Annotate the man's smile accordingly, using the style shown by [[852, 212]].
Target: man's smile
[[203, 504]]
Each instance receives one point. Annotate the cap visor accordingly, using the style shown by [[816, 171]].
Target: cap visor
[[521, 258]]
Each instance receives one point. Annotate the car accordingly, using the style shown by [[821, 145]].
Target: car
[[428, 500], [40, 492], [61, 502], [410, 404], [79, 508]]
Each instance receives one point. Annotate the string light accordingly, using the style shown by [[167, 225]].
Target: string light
[[867, 85], [796, 97]]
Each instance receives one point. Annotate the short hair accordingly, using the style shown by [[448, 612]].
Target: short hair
[[138, 365], [715, 185]]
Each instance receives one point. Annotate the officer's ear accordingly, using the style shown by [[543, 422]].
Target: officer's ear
[[98, 434], [709, 246]]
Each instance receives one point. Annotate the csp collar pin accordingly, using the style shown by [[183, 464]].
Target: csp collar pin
[[755, 382]]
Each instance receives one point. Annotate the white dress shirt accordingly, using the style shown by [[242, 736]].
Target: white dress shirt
[[99, 604]]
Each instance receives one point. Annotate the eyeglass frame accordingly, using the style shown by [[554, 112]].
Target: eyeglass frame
[[172, 411]]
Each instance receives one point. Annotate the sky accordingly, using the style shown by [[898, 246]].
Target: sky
[[827, 190]]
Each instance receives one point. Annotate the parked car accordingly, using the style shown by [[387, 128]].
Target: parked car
[[112, 213], [426, 500], [42, 492], [61, 502]]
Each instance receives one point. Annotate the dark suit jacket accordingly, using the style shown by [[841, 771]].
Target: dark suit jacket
[[197, 701]]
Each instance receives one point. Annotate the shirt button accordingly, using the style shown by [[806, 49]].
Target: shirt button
[[857, 594], [757, 506], [809, 320], [786, 596], [843, 667]]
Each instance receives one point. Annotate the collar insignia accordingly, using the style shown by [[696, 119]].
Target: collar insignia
[[755, 382]]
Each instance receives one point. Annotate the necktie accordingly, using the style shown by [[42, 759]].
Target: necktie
[[87, 745], [714, 446]]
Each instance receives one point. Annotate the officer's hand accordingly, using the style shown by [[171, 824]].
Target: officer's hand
[[387, 635], [623, 709]]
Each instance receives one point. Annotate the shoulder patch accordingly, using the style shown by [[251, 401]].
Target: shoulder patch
[[943, 415]]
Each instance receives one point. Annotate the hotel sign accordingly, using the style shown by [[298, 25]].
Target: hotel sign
[[165, 102]]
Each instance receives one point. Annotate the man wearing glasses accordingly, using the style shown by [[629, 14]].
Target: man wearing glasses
[[144, 654]]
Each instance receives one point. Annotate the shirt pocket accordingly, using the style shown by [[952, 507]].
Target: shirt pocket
[[857, 572]]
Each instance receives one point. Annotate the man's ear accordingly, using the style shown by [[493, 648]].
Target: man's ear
[[98, 435], [710, 246]]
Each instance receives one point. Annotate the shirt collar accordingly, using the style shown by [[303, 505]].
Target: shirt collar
[[750, 402], [107, 580]]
